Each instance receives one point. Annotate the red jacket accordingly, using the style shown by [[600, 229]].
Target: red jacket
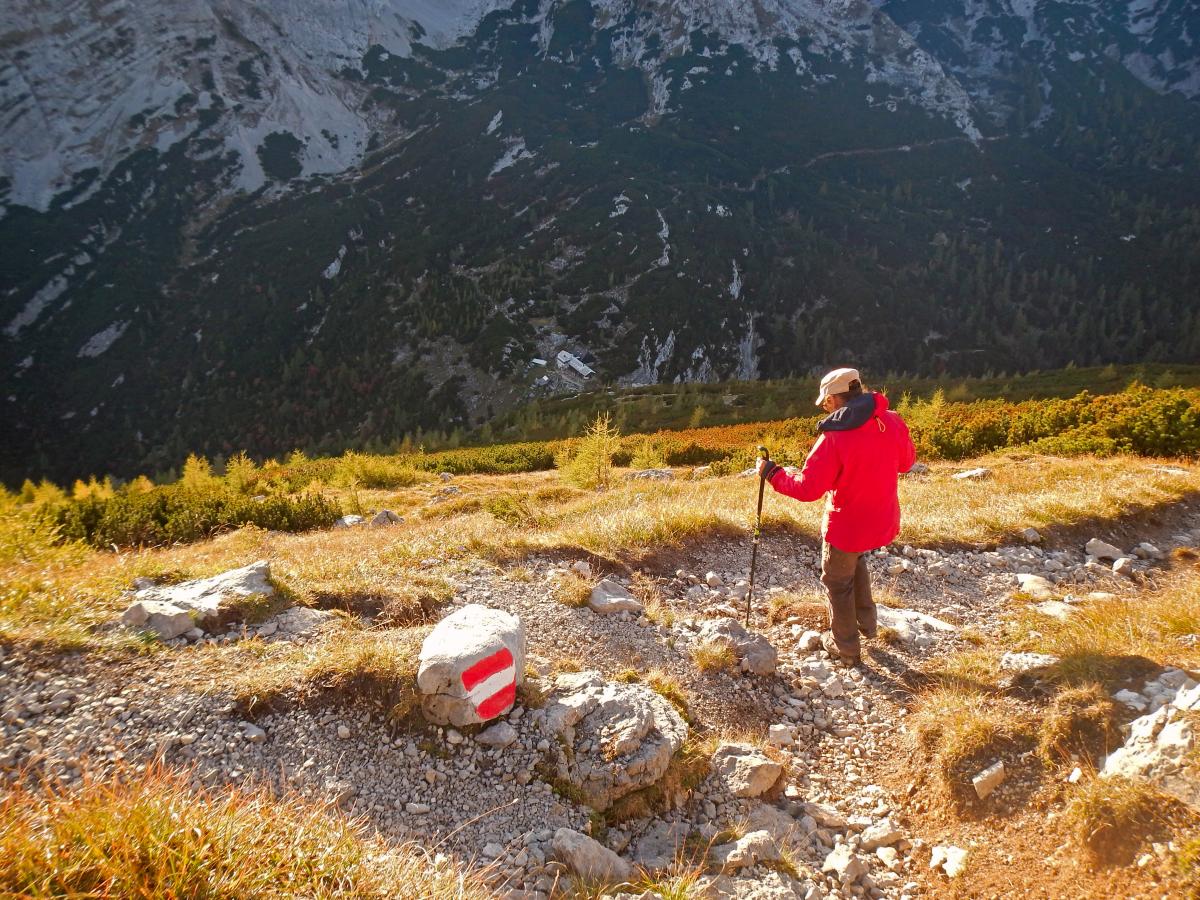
[[862, 449]]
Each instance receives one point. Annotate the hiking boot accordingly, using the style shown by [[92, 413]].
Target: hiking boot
[[829, 645], [869, 633]]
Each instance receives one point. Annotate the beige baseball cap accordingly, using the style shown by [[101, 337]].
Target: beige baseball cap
[[837, 382]]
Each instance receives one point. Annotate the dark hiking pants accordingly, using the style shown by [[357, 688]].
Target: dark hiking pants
[[848, 586]]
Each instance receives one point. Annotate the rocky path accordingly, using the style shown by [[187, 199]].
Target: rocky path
[[795, 803]]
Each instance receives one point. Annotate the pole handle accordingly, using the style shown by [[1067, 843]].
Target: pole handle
[[764, 452]]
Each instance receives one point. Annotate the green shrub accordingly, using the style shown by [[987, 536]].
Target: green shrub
[[360, 470], [179, 513]]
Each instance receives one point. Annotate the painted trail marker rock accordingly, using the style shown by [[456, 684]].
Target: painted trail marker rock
[[470, 666]]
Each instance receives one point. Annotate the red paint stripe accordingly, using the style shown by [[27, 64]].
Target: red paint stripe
[[486, 668], [498, 702]]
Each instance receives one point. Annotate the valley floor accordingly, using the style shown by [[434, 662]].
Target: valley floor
[[877, 761]]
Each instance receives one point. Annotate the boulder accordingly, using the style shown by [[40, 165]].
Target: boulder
[[651, 475], [213, 601], [613, 597], [745, 771], [753, 651], [748, 850], [470, 666], [299, 621], [385, 518], [589, 858], [348, 522], [615, 738], [164, 619], [1102, 550], [1055, 609]]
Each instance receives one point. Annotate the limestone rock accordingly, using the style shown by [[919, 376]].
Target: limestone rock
[[844, 863], [989, 779], [1157, 746], [754, 651], [912, 626], [499, 735], [1026, 662], [385, 518], [745, 771], [1036, 586], [216, 600], [300, 621], [809, 641], [660, 845], [1123, 566], [620, 737], [748, 850], [348, 522], [950, 859], [1031, 536], [613, 597], [470, 666], [881, 834], [1102, 550], [972, 475], [589, 858], [1055, 609], [164, 619]]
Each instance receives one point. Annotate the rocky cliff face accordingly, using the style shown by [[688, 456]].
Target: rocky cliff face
[[291, 224]]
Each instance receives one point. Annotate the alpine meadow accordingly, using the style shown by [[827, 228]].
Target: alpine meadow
[[549, 449]]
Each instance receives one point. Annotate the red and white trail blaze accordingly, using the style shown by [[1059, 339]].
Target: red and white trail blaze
[[491, 684]]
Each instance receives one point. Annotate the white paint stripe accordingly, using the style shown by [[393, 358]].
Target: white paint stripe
[[497, 682]]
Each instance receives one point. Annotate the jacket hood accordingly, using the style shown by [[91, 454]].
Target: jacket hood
[[855, 414]]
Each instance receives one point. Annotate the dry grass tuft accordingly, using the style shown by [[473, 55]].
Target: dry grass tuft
[[572, 589], [783, 606], [150, 835], [662, 683], [376, 666], [1081, 721], [959, 733], [1112, 817], [713, 656]]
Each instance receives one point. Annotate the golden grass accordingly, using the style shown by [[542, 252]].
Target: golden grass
[[1106, 640], [59, 593], [1110, 818], [713, 656], [1080, 721], [378, 666], [960, 733], [149, 835]]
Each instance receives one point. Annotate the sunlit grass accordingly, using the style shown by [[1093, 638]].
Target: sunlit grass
[[150, 835]]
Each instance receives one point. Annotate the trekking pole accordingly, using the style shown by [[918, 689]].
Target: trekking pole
[[762, 483]]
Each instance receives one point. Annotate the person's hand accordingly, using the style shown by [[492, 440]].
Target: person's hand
[[759, 465]]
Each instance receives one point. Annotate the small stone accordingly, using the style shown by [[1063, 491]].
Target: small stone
[[880, 834], [1123, 566], [779, 735], [613, 597], [416, 809], [499, 735], [713, 580], [453, 737], [1102, 550], [187, 739], [1026, 662], [343, 732], [385, 518], [989, 779], [845, 863], [253, 733], [809, 641], [1076, 776], [950, 859], [588, 857], [1031, 536], [348, 522], [972, 474]]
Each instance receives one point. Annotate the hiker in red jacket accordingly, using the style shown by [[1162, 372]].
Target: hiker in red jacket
[[857, 460]]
